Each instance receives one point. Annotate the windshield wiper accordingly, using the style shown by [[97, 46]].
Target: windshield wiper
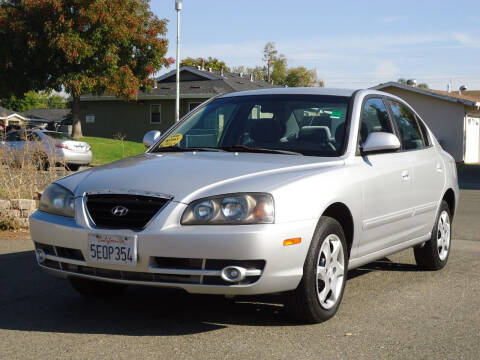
[[185, 149], [252, 149]]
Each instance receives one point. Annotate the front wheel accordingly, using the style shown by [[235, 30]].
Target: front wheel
[[319, 294], [433, 255]]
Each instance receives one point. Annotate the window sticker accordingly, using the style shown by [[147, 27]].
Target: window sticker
[[172, 140], [336, 114]]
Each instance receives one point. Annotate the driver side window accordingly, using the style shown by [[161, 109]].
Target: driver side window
[[374, 118], [13, 136]]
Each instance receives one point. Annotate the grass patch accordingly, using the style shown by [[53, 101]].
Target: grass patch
[[108, 150]]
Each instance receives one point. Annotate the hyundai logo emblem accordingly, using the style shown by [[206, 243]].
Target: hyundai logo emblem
[[119, 210]]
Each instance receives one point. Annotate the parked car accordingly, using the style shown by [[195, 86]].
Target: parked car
[[268, 191], [47, 148]]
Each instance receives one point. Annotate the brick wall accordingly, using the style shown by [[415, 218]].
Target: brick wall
[[17, 210]]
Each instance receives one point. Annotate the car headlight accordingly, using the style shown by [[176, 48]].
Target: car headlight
[[231, 209], [57, 200]]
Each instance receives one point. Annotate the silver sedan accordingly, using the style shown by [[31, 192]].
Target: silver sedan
[[47, 148], [268, 191]]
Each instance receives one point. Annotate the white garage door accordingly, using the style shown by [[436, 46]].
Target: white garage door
[[472, 140]]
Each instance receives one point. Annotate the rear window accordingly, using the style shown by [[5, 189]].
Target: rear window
[[58, 136]]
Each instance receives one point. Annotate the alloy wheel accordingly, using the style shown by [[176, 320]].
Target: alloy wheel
[[330, 271], [443, 235]]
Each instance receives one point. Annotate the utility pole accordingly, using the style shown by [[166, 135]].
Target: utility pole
[[178, 7], [268, 69]]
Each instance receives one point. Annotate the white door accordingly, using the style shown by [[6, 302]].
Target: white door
[[428, 176], [387, 200], [472, 140], [386, 186]]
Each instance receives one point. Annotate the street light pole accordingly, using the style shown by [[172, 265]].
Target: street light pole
[[178, 7]]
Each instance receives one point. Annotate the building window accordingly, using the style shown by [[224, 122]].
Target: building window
[[155, 111], [90, 118], [192, 105]]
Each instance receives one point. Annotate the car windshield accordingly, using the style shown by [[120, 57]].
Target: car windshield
[[288, 124], [58, 135]]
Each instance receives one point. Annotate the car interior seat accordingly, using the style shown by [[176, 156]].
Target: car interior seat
[[318, 135], [265, 132]]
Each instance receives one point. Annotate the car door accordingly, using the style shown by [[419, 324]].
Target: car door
[[385, 182], [13, 143], [428, 175]]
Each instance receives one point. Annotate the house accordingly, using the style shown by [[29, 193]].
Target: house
[[9, 117], [47, 115], [107, 115], [453, 117]]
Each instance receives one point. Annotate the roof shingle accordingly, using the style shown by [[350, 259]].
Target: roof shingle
[[47, 114], [454, 96]]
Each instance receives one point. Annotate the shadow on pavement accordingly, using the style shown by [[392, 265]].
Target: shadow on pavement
[[384, 264], [31, 300], [468, 176]]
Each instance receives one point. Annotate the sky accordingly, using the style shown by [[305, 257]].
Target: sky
[[350, 43]]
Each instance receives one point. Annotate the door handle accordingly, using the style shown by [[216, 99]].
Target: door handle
[[405, 175], [439, 168]]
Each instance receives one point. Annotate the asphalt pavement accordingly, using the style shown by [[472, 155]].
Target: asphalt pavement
[[390, 310]]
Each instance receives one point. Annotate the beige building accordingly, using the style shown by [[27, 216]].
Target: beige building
[[454, 118], [8, 117]]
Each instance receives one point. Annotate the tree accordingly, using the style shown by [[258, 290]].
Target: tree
[[24, 55], [423, 86], [211, 62], [86, 46], [402, 81], [269, 56], [258, 72], [238, 69], [301, 77], [279, 70], [34, 100]]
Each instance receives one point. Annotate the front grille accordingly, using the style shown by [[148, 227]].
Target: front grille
[[141, 209]]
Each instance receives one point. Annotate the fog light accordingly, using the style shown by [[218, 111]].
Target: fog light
[[41, 257], [233, 273]]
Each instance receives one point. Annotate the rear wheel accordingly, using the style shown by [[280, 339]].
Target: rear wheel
[[319, 294], [100, 289], [433, 255], [73, 167]]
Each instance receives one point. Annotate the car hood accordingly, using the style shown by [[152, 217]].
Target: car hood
[[184, 176]]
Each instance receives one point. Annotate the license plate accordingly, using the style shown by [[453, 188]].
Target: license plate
[[79, 149], [112, 249]]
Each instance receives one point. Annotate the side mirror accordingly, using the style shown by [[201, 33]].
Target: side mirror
[[380, 141], [150, 137]]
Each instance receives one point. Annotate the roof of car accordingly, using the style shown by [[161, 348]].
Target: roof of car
[[295, 91]]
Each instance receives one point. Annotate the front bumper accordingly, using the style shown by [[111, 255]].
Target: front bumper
[[274, 267]]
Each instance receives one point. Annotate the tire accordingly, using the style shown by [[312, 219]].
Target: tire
[[433, 255], [73, 167], [96, 289], [41, 161], [313, 301]]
